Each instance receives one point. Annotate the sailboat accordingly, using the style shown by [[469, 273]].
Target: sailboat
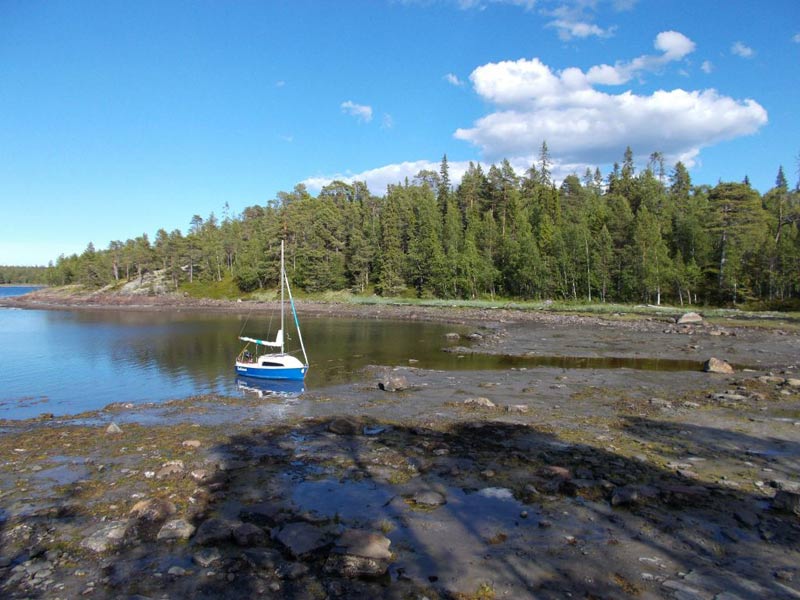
[[274, 365]]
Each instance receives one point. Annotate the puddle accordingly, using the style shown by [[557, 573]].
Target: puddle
[[350, 500]]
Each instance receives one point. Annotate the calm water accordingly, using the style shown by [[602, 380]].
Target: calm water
[[16, 290], [65, 362]]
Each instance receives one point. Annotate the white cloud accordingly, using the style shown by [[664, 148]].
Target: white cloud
[[387, 122], [707, 66], [453, 79], [796, 38], [739, 49], [584, 125], [361, 112], [568, 30]]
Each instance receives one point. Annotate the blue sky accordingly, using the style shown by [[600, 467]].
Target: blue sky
[[118, 118]]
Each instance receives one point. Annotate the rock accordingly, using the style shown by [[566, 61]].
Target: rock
[[344, 426], [661, 403], [716, 365], [345, 565], [213, 531], [362, 543], [393, 383], [428, 498], [264, 514], [480, 402], [177, 529], [110, 537], [292, 570], [746, 517], [452, 336], [262, 558], [792, 382], [207, 557], [113, 428], [191, 444], [301, 539], [787, 502], [690, 318], [248, 535], [176, 571], [517, 408], [556, 471], [772, 379], [172, 468], [153, 510]]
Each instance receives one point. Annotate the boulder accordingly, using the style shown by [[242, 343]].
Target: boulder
[[480, 402], [717, 365], [690, 318], [113, 428], [393, 383]]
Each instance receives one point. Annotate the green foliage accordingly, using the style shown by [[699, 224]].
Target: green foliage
[[25, 275], [643, 236]]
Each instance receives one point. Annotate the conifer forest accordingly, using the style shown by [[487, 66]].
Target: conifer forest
[[633, 235]]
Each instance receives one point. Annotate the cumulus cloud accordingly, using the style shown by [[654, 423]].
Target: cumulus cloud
[[453, 79], [361, 112], [585, 125], [740, 49]]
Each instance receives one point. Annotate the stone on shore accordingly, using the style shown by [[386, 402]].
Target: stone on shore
[[787, 502], [690, 318], [359, 553], [110, 537], [428, 498], [480, 402], [301, 539], [249, 535], [393, 383], [113, 429], [344, 426], [153, 510], [213, 531], [717, 365], [177, 529]]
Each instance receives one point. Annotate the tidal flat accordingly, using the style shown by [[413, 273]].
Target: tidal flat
[[527, 482]]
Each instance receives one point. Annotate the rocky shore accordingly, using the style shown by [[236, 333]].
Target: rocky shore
[[543, 482]]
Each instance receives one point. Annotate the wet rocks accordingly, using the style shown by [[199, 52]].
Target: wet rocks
[[301, 539], [213, 531], [249, 535], [359, 553], [717, 365], [207, 557]]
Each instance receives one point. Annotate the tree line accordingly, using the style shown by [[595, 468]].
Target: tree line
[[648, 236], [27, 275]]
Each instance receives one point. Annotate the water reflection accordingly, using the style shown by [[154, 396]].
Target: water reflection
[[270, 388]]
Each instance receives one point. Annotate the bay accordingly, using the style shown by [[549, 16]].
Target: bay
[[66, 362]]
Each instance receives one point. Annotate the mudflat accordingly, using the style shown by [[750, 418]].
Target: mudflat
[[545, 480]]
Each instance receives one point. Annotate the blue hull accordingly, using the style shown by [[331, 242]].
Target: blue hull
[[280, 373]]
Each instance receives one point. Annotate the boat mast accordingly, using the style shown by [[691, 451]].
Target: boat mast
[[283, 277]]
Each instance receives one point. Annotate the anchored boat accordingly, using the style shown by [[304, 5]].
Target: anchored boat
[[274, 365]]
